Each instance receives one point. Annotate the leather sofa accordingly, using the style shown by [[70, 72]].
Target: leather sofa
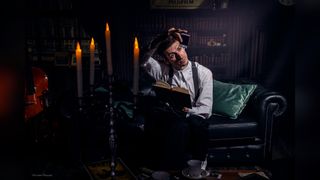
[[246, 139], [249, 138]]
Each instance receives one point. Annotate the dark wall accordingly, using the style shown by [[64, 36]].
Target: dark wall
[[254, 36], [307, 90], [11, 88]]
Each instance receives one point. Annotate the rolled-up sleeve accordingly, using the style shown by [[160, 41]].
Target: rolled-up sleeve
[[153, 68]]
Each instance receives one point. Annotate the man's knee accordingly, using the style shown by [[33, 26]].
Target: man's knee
[[198, 122]]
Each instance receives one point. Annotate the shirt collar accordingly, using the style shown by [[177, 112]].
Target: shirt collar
[[185, 69]]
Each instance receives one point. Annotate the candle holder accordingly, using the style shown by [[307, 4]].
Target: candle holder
[[91, 90], [135, 106], [112, 133], [80, 104]]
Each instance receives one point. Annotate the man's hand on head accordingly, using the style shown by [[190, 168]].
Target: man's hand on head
[[177, 33], [157, 40]]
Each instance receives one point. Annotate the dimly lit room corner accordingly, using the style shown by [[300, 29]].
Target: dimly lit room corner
[[306, 96], [11, 90], [241, 42]]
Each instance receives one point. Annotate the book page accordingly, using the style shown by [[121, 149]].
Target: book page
[[162, 84], [177, 97], [180, 89]]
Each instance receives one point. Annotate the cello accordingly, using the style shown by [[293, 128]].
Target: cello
[[35, 91]]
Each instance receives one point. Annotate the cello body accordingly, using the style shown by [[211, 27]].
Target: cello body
[[35, 101]]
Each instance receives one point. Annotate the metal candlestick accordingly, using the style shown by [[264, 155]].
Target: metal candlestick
[[112, 134], [135, 106], [80, 102]]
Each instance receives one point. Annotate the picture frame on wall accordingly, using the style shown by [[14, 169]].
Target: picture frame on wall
[[188, 4]]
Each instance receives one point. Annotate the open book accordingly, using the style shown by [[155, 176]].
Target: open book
[[176, 96]]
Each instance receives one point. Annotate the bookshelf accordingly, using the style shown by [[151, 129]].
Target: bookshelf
[[52, 31], [226, 40], [209, 42], [229, 43]]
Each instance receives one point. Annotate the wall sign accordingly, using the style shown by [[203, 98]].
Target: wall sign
[[182, 4]]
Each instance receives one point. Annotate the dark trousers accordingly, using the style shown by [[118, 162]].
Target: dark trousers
[[174, 139]]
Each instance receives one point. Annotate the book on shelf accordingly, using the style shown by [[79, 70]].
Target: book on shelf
[[177, 97]]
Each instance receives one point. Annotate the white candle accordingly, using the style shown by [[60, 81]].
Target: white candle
[[79, 70], [108, 50], [136, 52], [92, 49]]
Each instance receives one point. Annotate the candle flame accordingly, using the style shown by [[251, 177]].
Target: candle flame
[[136, 45], [107, 27], [78, 46], [92, 41]]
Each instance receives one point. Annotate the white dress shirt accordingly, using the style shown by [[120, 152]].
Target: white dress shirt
[[183, 78]]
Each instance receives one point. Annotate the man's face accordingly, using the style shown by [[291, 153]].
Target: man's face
[[176, 55]]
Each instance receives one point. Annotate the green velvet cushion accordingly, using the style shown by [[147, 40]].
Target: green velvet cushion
[[230, 99], [125, 106]]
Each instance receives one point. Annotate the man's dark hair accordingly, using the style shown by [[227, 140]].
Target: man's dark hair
[[166, 44]]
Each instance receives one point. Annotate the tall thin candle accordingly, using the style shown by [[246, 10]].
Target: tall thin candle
[[92, 49], [79, 70], [136, 52], [108, 50]]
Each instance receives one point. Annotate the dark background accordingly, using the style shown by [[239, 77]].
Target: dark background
[[289, 63]]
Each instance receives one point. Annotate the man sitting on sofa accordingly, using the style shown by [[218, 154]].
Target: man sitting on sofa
[[175, 134]]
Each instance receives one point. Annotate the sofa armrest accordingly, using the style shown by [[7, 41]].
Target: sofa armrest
[[266, 101], [267, 105]]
